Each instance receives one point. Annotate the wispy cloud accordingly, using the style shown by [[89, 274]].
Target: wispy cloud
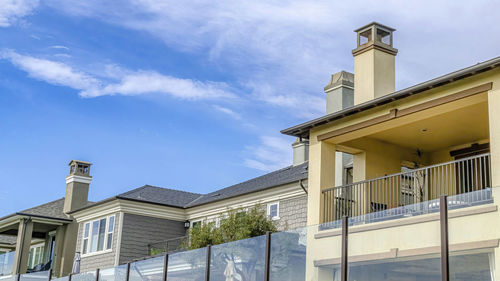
[[116, 81], [270, 154], [227, 111], [289, 48], [13, 10]]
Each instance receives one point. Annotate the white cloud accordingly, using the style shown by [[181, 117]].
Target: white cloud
[[271, 154], [227, 111], [12, 10], [294, 46], [116, 81]]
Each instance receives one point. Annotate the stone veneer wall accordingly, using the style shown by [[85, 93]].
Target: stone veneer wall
[[293, 212]]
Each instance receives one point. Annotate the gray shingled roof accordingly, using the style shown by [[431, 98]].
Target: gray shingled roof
[[8, 239], [183, 199], [51, 210], [159, 195], [273, 179]]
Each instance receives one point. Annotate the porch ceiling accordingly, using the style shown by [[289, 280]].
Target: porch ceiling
[[464, 125]]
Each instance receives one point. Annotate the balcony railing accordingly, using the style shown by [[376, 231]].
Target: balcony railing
[[408, 188], [6, 263]]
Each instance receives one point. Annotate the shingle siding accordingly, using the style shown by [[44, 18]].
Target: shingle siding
[[293, 212], [98, 260], [139, 231]]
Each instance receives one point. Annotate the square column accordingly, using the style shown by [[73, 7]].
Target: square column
[[321, 176], [494, 123], [23, 244]]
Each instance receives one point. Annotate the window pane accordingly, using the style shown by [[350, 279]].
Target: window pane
[[110, 241], [85, 244], [93, 241], [111, 224], [102, 229], [86, 232], [273, 210]]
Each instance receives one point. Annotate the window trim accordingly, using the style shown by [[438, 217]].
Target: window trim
[[106, 235], [277, 203]]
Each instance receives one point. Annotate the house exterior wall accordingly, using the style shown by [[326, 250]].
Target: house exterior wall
[[103, 259], [138, 231], [293, 213]]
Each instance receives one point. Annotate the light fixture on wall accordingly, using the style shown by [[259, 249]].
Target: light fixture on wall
[[187, 224]]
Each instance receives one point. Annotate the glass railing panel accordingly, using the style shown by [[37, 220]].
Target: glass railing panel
[[64, 278], [472, 265], [8, 278], [6, 263], [239, 260], [288, 255], [118, 273], [35, 276], [189, 265], [85, 276], [149, 269]]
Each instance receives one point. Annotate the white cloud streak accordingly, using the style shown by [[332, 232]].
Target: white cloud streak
[[118, 81], [271, 154], [227, 111], [12, 11]]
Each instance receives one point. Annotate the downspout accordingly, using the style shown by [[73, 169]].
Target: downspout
[[302, 185], [23, 233]]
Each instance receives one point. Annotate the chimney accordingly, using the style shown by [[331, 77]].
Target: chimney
[[77, 185], [339, 92], [300, 151], [374, 62]]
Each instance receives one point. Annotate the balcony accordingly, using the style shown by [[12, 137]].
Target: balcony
[[411, 192]]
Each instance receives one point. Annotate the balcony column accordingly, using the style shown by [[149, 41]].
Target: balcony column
[[494, 123], [23, 243], [58, 250], [321, 176]]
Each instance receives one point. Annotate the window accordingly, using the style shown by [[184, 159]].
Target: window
[[196, 224], [98, 235], [35, 256], [273, 210]]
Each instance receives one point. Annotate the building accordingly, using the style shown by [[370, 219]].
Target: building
[[409, 147], [136, 223]]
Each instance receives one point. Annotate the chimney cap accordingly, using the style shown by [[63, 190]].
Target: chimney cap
[[79, 161], [342, 78], [374, 23]]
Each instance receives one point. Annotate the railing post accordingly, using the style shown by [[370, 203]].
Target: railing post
[[207, 266], [343, 265], [445, 266], [70, 276], [127, 274], [18, 277], [165, 267], [97, 274], [50, 274], [267, 267]]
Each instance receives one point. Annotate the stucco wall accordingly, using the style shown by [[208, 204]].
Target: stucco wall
[[98, 260], [138, 231]]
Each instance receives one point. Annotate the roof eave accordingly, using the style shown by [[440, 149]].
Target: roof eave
[[302, 130]]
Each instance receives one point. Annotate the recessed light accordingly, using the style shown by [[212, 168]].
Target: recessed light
[[424, 130]]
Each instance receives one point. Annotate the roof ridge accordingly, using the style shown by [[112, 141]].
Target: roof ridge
[[172, 189]]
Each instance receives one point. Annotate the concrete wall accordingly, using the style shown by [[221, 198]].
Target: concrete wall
[[101, 259], [138, 231]]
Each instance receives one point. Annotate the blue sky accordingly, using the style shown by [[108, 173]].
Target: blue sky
[[192, 94]]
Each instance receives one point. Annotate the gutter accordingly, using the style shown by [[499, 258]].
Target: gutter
[[302, 185], [302, 130]]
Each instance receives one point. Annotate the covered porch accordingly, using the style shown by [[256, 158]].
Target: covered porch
[[33, 243], [410, 156]]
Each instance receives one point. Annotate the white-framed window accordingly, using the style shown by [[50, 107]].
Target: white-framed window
[[196, 223], [273, 210], [35, 256], [98, 235]]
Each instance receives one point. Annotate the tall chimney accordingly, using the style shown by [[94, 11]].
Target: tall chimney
[[374, 62], [339, 92], [300, 151], [77, 185]]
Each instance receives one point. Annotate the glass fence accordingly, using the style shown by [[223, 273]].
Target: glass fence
[[397, 250], [6, 263]]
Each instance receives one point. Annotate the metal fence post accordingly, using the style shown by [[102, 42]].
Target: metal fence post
[[50, 274], [207, 266], [445, 265], [70, 276], [165, 267], [343, 265], [18, 277], [127, 274], [267, 265], [97, 274]]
